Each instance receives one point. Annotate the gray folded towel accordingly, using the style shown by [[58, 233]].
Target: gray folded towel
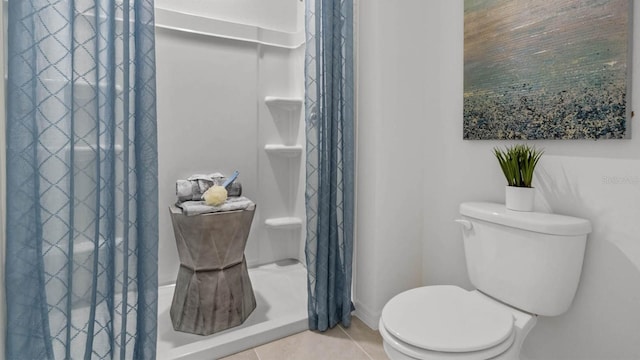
[[193, 187], [190, 208]]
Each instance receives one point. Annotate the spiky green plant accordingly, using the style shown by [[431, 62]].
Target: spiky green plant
[[518, 163]]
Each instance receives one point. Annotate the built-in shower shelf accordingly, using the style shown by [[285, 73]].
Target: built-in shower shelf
[[283, 150], [284, 223], [285, 103]]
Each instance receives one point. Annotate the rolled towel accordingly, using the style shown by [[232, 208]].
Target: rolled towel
[[193, 187], [191, 208]]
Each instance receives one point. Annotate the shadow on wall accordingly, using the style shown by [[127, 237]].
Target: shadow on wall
[[606, 191], [560, 196]]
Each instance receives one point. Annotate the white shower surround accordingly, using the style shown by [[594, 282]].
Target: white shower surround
[[211, 92], [213, 77], [282, 15]]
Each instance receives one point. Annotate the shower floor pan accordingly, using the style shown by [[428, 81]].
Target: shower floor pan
[[281, 296]]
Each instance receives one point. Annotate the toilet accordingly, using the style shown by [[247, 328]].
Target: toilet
[[522, 264]]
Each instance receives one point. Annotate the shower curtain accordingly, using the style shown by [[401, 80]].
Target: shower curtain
[[82, 214], [329, 114]]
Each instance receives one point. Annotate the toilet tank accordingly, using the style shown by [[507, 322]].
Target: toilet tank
[[529, 260]]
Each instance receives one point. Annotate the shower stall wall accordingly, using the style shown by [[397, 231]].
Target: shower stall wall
[[230, 89], [230, 98]]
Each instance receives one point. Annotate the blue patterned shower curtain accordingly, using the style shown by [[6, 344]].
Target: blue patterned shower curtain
[[329, 104], [82, 214]]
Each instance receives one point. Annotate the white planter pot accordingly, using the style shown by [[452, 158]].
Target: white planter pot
[[520, 198]]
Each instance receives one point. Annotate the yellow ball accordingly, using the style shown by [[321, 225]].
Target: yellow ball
[[215, 195]]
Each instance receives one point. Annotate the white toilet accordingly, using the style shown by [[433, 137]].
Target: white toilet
[[523, 264]]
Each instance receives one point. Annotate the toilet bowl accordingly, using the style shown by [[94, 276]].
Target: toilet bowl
[[523, 265], [448, 322]]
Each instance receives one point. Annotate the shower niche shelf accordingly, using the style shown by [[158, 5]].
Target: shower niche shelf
[[284, 220], [283, 150], [284, 223], [284, 103]]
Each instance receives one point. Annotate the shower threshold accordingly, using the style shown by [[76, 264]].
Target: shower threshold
[[281, 296]]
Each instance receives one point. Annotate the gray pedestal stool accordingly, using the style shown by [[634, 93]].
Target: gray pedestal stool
[[213, 290]]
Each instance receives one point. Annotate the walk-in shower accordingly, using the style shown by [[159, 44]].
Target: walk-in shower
[[230, 97]]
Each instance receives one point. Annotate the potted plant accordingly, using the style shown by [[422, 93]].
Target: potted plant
[[518, 163]]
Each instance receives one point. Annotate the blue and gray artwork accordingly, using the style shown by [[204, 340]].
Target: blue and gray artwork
[[539, 69]]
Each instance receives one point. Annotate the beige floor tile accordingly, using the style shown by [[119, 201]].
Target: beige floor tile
[[333, 344], [369, 339], [244, 355]]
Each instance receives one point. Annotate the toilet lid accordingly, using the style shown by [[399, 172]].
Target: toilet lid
[[446, 318]]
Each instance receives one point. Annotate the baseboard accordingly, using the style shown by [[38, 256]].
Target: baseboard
[[370, 318]]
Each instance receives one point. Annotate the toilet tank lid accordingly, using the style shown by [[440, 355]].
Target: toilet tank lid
[[545, 223]]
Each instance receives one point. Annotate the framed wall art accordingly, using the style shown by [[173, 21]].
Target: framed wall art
[[539, 69]]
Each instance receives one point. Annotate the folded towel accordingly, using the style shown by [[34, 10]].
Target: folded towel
[[190, 208], [194, 186]]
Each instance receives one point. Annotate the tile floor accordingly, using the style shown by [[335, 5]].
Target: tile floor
[[353, 343]]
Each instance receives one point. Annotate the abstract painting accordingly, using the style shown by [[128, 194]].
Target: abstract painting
[[540, 69]]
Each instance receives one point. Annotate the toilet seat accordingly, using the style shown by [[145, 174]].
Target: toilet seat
[[399, 350], [433, 321]]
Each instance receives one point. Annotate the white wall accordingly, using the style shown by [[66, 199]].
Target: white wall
[[574, 178], [392, 81], [604, 321]]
